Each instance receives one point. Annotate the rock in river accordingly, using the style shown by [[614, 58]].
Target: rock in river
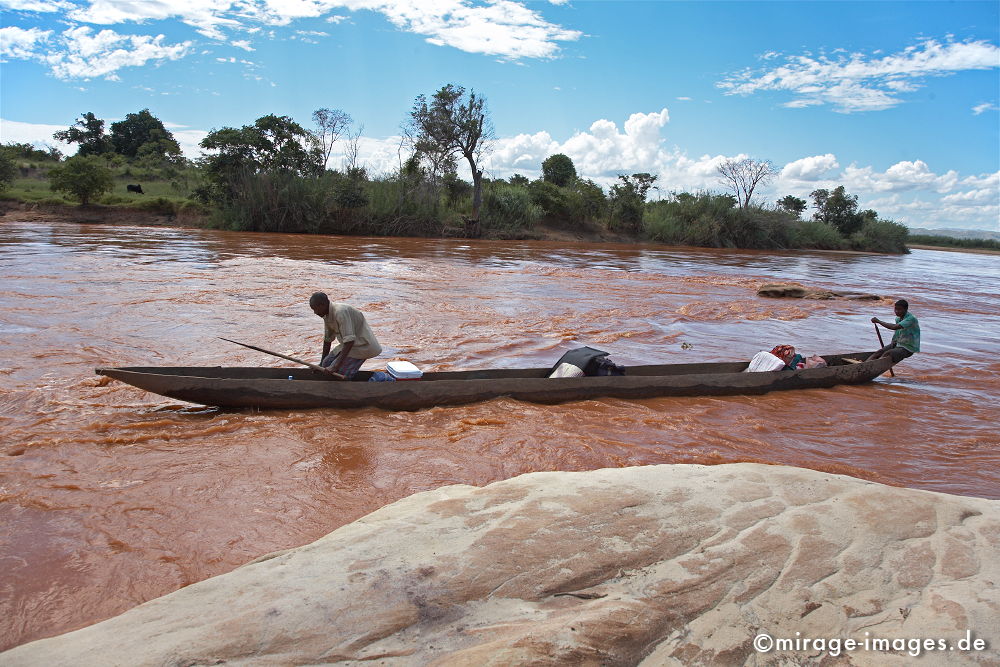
[[657, 565], [796, 291]]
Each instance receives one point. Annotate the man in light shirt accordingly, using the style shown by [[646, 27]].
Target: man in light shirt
[[347, 325]]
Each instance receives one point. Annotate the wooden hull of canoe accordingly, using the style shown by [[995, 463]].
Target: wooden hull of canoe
[[264, 388]]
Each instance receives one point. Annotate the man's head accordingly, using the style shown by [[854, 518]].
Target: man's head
[[320, 303], [901, 308]]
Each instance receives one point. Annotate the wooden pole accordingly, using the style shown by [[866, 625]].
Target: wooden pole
[[325, 371], [881, 345]]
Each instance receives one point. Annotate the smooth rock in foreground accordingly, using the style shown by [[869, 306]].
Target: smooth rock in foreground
[[658, 565]]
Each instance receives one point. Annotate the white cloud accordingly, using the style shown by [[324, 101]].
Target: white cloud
[[42, 6], [85, 54], [984, 197], [207, 16], [858, 82], [985, 106], [983, 181], [12, 131], [243, 44], [21, 44], [504, 28], [811, 168], [900, 177]]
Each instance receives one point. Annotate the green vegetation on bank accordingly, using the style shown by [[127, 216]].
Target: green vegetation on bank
[[952, 242], [270, 176]]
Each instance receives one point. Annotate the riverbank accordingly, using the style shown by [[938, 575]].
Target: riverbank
[[95, 214], [120, 215], [976, 251]]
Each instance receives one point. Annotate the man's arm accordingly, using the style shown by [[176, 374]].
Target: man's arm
[[326, 350], [887, 325]]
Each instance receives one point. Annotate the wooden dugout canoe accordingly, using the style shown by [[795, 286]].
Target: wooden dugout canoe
[[235, 387]]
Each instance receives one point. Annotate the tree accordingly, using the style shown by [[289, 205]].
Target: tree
[[628, 199], [330, 125], [593, 198], [453, 124], [143, 135], [88, 131], [840, 209], [743, 177], [792, 204], [558, 169], [8, 167], [83, 177], [519, 180]]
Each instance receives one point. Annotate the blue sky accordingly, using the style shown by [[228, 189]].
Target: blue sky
[[898, 101]]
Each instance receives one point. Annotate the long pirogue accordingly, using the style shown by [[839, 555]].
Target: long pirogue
[[240, 387]]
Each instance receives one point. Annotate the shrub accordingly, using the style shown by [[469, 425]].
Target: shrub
[[551, 199], [881, 236], [818, 235], [509, 208], [82, 177]]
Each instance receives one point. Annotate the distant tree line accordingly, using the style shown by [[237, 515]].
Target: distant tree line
[[274, 175]]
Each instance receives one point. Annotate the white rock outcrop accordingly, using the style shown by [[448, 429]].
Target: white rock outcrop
[[657, 565]]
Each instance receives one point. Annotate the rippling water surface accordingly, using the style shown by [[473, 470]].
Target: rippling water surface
[[110, 496]]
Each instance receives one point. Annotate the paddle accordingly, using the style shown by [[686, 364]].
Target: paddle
[[881, 345], [324, 371]]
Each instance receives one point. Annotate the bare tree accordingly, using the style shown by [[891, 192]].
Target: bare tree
[[330, 125], [743, 177], [351, 140], [452, 124]]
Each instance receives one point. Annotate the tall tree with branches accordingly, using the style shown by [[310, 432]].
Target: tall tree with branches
[[88, 131], [330, 126], [451, 124], [743, 177]]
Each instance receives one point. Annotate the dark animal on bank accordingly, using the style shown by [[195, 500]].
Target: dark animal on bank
[[135, 188]]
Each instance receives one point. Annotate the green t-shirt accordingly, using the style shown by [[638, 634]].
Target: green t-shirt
[[909, 335]]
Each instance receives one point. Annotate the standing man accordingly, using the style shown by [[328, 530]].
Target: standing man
[[906, 340], [347, 325]]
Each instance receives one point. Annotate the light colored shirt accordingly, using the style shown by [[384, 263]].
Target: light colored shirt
[[347, 324], [909, 335]]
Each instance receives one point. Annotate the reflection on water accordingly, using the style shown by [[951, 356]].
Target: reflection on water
[[110, 496]]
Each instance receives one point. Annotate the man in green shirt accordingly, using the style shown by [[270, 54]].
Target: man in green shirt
[[906, 340]]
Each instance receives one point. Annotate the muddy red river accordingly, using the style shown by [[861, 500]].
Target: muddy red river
[[110, 496]]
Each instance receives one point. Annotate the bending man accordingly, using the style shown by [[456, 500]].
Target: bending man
[[347, 325], [906, 340]]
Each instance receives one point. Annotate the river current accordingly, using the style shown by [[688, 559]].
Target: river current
[[111, 496]]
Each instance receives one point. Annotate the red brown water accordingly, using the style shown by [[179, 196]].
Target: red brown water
[[110, 496]]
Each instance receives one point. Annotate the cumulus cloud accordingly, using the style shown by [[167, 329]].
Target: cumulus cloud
[[984, 107], [900, 177], [21, 44], [860, 82], [811, 168], [602, 151]]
